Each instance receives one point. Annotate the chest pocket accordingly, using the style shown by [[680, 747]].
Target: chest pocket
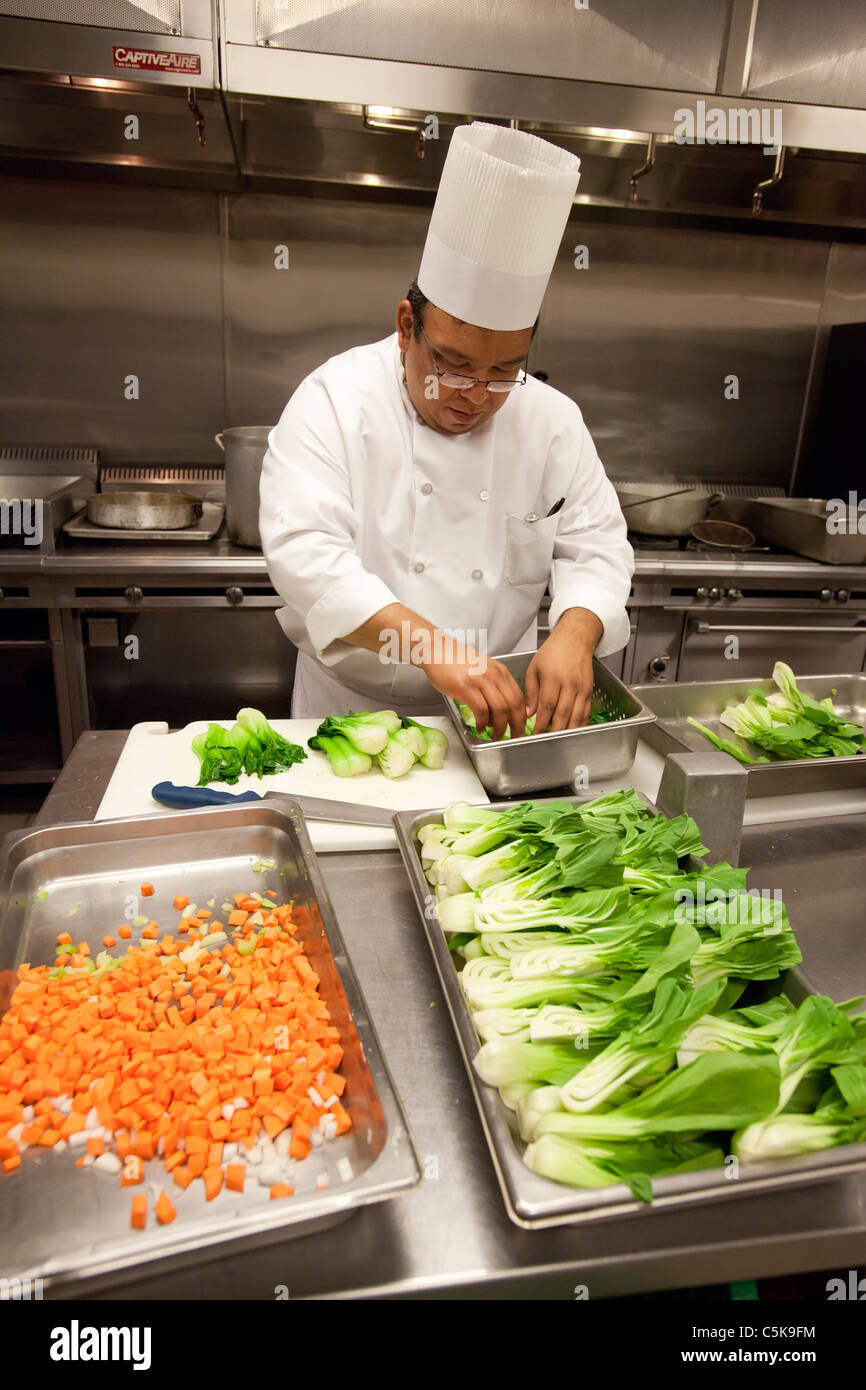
[[529, 549]]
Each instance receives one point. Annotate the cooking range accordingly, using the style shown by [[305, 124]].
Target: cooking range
[[106, 631]]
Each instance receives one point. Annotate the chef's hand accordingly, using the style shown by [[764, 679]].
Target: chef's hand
[[559, 679], [486, 686]]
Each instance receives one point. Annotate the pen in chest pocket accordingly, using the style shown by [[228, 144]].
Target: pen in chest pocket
[[533, 516]]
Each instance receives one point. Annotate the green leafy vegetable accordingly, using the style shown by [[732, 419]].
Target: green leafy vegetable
[[250, 746], [346, 760], [602, 970], [786, 725]]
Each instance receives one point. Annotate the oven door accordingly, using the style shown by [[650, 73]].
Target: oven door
[[30, 743], [183, 664], [718, 646]]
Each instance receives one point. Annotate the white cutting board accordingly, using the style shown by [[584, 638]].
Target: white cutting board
[[151, 754]]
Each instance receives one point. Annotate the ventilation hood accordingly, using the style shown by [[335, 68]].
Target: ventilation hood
[[109, 43]]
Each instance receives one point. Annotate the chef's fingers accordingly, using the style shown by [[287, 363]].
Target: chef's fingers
[[474, 698], [548, 696], [531, 689], [498, 702], [580, 712], [564, 705], [516, 704], [507, 706]]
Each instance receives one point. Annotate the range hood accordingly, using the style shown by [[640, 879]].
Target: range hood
[[108, 43], [260, 93], [618, 64]]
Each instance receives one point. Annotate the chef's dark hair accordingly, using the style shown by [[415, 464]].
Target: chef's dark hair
[[419, 301]]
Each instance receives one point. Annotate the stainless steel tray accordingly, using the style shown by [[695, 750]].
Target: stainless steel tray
[[70, 1226], [536, 1203], [706, 700], [537, 762], [800, 524]]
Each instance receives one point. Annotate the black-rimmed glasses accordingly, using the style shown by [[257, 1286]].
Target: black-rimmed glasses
[[465, 383]]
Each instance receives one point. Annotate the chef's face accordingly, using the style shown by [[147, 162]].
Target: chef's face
[[466, 350]]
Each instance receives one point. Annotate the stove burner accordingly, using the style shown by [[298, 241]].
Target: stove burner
[[680, 544], [641, 542]]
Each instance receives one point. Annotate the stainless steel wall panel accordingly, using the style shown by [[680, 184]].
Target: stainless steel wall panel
[[99, 284], [350, 264], [645, 337]]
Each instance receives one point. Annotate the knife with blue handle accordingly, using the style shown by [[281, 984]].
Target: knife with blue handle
[[313, 807]]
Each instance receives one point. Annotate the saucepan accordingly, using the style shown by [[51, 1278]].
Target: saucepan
[[662, 509], [143, 511]]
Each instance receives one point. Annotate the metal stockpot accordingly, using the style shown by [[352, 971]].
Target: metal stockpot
[[244, 448]]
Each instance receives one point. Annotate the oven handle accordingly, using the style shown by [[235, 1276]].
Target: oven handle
[[697, 626]]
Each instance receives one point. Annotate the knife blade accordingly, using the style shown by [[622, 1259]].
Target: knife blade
[[313, 807]]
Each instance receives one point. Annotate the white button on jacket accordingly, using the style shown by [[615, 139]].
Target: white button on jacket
[[343, 529]]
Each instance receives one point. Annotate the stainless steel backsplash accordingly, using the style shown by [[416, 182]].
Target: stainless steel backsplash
[[179, 289]]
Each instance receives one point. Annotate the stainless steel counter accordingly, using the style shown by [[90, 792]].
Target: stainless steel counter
[[221, 557], [450, 1236]]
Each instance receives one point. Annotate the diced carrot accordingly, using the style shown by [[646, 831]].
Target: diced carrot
[[11, 1163], [235, 1173], [138, 1218], [165, 1209], [108, 942], [147, 890], [158, 1049], [213, 1181], [282, 1189], [64, 939], [300, 1129], [180, 901]]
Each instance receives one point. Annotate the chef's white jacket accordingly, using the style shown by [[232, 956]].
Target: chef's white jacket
[[363, 505]]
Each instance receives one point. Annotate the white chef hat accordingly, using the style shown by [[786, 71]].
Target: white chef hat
[[501, 209]]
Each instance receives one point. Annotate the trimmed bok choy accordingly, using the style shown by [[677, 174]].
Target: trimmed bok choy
[[605, 972]]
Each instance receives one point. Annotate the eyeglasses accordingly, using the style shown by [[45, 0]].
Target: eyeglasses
[[466, 383]]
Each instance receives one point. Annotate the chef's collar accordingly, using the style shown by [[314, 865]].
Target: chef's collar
[[401, 383]]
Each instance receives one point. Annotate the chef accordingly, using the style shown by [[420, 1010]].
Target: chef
[[420, 493]]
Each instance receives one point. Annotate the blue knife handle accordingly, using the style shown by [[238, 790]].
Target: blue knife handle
[[186, 798]]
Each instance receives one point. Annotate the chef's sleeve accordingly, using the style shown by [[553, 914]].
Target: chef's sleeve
[[309, 529], [593, 562]]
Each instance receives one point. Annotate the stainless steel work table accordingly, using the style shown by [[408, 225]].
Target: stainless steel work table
[[450, 1236]]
